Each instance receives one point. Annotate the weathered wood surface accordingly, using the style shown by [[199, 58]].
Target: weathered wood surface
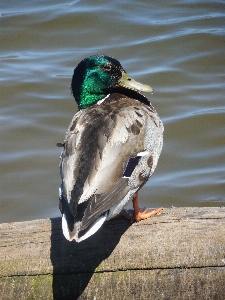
[[178, 254]]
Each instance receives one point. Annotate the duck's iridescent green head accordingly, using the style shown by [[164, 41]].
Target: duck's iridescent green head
[[96, 76]]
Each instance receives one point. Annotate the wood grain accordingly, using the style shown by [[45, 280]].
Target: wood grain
[[178, 254]]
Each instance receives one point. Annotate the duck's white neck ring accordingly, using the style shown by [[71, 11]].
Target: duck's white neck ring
[[103, 99]]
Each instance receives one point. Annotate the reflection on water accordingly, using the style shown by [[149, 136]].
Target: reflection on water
[[176, 47]]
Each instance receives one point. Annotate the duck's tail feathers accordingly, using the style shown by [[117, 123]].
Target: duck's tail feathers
[[77, 235], [69, 235]]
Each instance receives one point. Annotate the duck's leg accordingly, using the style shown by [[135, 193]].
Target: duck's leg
[[142, 214], [139, 214]]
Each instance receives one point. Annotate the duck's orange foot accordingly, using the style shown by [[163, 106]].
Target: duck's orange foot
[[139, 214], [143, 213]]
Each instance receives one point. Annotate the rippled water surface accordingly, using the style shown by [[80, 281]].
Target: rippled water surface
[[175, 46]]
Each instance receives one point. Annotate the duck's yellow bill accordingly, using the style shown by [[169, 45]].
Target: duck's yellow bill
[[127, 82]]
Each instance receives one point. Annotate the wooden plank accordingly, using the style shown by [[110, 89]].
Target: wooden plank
[[178, 254]]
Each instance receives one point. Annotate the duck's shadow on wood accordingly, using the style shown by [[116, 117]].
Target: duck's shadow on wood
[[74, 263]]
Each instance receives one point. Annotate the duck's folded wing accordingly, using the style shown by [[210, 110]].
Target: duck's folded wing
[[93, 159], [102, 202]]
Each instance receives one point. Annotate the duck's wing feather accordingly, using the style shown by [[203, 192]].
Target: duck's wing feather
[[103, 202]]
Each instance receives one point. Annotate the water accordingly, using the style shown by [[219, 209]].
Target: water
[[177, 47]]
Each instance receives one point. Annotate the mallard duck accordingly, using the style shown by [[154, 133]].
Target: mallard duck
[[111, 147]]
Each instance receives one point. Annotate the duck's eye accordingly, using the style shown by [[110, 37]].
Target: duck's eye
[[106, 67]]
